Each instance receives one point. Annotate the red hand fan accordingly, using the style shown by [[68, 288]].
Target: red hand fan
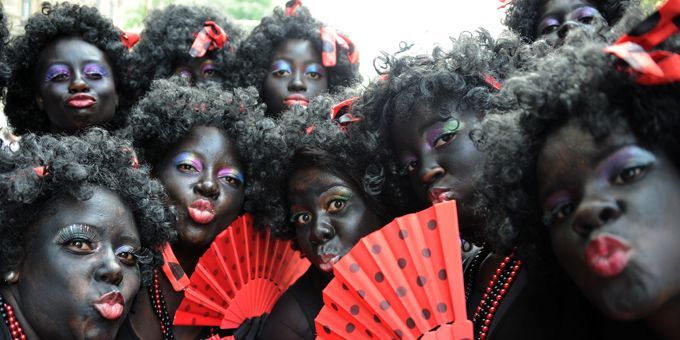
[[241, 276], [402, 281]]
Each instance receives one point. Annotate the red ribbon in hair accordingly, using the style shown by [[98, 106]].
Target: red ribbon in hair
[[493, 82], [656, 67], [329, 39], [211, 37], [504, 3], [129, 39], [41, 171], [341, 112], [291, 6]]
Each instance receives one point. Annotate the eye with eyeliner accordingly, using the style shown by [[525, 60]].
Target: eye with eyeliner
[[443, 132], [231, 175], [57, 72], [281, 68], [95, 71]]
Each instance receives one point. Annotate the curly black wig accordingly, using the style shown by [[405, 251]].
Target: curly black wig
[[463, 78], [302, 138], [4, 39], [256, 51], [167, 38], [76, 166], [522, 16], [172, 107], [55, 22], [578, 84]]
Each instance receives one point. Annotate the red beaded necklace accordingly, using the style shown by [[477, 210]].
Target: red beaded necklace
[[15, 330], [495, 291]]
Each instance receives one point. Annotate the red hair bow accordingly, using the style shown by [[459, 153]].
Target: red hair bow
[[329, 39], [504, 3], [291, 6], [656, 67], [128, 39], [341, 113], [211, 37]]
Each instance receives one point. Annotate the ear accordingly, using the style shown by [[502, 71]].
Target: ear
[[39, 102]]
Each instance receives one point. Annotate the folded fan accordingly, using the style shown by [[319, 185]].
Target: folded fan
[[402, 281], [240, 276]]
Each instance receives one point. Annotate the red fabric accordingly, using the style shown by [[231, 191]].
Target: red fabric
[[291, 6], [129, 39], [656, 67], [329, 39], [493, 82], [211, 37], [504, 3]]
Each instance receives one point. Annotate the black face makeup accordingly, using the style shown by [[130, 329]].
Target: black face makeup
[[76, 85], [436, 153], [204, 177], [296, 76], [199, 70], [612, 211], [329, 214], [557, 17], [80, 273]]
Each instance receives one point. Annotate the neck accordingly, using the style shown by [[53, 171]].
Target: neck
[[11, 297], [665, 320]]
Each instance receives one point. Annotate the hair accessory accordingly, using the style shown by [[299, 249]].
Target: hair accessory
[[504, 3], [291, 6], [41, 171], [172, 269], [330, 37], [341, 112], [11, 277], [656, 67], [211, 37], [128, 39], [492, 81], [241, 276], [403, 281]]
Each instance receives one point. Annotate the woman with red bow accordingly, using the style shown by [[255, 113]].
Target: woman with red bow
[[291, 58], [196, 42]]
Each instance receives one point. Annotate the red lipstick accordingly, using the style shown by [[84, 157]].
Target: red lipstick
[[81, 101], [296, 99], [111, 305], [607, 255], [202, 211], [328, 261], [438, 195]]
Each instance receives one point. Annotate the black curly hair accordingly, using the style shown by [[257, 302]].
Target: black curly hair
[[167, 38], [579, 83], [4, 39], [302, 138], [459, 79], [76, 166], [521, 16], [55, 22], [256, 51]]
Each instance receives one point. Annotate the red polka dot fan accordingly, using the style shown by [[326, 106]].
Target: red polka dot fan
[[240, 276], [402, 281]]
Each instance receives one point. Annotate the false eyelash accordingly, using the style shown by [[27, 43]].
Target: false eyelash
[[143, 255], [76, 231]]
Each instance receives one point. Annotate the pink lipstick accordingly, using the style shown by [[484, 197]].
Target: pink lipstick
[[111, 305], [296, 99], [81, 101], [607, 255], [328, 261], [202, 211]]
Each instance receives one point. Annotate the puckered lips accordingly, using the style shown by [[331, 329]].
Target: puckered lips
[[607, 255], [202, 211], [294, 99], [439, 195], [328, 260], [81, 101], [111, 305]]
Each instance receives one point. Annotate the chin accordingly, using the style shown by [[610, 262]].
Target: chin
[[628, 299]]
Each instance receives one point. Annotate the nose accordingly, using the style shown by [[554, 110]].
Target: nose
[[566, 27], [594, 214], [430, 171], [322, 232], [78, 84], [297, 82], [110, 270], [207, 187]]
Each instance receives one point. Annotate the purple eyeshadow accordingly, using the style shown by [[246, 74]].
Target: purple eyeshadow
[[57, 70], [95, 69], [231, 172], [188, 158]]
